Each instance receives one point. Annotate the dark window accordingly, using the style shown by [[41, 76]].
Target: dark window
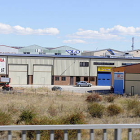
[[57, 53], [125, 64], [26, 52], [99, 79], [84, 64], [102, 63], [91, 78], [85, 78], [108, 79], [56, 78], [63, 78], [103, 79], [73, 54]]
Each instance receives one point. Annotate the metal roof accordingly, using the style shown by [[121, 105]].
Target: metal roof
[[64, 56]]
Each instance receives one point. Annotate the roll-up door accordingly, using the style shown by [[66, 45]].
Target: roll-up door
[[42, 75], [18, 74], [104, 79]]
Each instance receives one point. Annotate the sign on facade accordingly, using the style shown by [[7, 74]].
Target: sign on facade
[[38, 50], [2, 65], [73, 51], [105, 69], [118, 76], [118, 82]]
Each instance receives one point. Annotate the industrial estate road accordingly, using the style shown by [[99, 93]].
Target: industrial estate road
[[68, 88]]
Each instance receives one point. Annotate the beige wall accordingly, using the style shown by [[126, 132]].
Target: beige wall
[[30, 61], [135, 53], [132, 80], [70, 67], [136, 85]]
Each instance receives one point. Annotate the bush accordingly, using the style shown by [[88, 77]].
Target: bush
[[26, 116], [5, 119], [113, 110], [132, 103], [136, 111], [74, 118], [96, 110], [110, 98], [94, 98]]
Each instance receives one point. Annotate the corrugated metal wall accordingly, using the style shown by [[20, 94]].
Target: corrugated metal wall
[[70, 67], [18, 74], [42, 75], [30, 61]]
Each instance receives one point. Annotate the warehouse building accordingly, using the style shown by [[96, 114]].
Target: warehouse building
[[131, 78], [36, 49], [24, 69]]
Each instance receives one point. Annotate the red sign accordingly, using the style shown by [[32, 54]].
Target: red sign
[[1, 59]]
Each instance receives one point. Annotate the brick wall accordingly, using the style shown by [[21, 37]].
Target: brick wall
[[30, 79], [60, 82]]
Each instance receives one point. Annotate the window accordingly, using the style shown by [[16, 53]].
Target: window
[[56, 78], [85, 78], [57, 53], [125, 64], [102, 63], [63, 78], [91, 78], [73, 54], [84, 64], [26, 52]]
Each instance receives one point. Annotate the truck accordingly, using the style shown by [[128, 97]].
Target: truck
[[4, 83]]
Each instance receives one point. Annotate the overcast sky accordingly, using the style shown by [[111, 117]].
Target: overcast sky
[[82, 24]]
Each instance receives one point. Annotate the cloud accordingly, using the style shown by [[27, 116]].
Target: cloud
[[7, 29], [74, 41], [117, 32]]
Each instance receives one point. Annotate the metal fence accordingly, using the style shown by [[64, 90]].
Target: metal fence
[[117, 130]]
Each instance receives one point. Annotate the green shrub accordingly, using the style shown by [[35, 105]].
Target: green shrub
[[132, 103], [136, 111], [110, 98], [96, 110], [94, 98], [26, 116], [5, 119], [73, 118], [113, 110]]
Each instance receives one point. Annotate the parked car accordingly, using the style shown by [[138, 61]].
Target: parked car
[[83, 84], [55, 88]]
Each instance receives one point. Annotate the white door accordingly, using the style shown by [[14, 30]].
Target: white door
[[42, 75], [18, 74]]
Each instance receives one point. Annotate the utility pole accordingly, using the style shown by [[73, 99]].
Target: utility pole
[[132, 43]]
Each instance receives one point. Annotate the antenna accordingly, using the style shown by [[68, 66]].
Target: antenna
[[132, 43]]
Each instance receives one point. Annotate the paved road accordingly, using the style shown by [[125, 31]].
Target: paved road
[[69, 88]]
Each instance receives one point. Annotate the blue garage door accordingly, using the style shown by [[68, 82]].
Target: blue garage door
[[104, 79]]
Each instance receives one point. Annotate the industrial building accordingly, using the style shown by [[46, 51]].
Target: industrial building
[[24, 69], [131, 78], [35, 49]]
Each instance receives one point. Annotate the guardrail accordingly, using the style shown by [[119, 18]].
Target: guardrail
[[117, 130]]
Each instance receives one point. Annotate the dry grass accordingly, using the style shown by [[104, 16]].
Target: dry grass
[[59, 105]]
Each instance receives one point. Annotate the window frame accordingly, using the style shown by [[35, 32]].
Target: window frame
[[63, 78], [56, 78]]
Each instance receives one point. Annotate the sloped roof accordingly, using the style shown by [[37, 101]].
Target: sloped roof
[[104, 50]]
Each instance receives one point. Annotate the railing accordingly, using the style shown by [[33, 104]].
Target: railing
[[117, 130]]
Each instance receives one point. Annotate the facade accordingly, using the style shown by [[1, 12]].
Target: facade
[[62, 50], [135, 53], [8, 49], [37, 69], [131, 78], [35, 49], [102, 52]]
